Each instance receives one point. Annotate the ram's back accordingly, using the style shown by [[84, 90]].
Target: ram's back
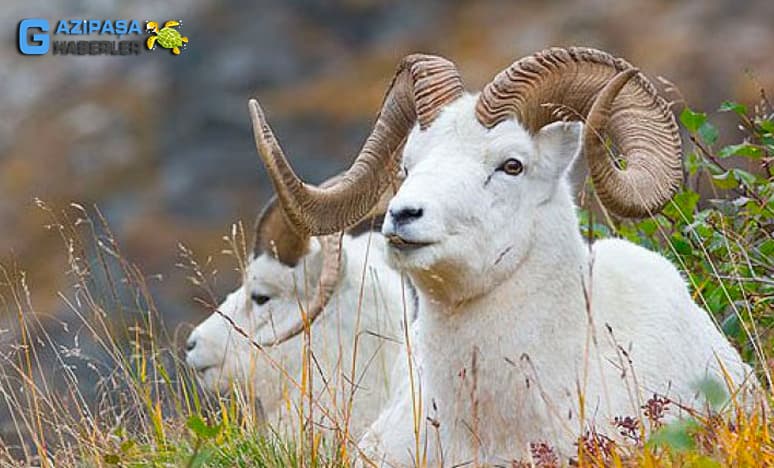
[[641, 302]]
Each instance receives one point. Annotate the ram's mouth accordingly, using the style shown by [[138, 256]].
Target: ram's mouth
[[400, 243]]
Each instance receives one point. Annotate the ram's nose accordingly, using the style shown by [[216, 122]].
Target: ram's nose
[[405, 214]]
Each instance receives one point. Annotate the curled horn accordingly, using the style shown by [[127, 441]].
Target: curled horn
[[629, 110], [422, 85]]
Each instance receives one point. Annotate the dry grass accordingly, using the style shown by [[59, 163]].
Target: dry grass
[[129, 400]]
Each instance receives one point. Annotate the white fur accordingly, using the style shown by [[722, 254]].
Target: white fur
[[506, 280], [234, 360]]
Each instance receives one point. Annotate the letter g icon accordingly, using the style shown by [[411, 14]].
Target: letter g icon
[[38, 43]]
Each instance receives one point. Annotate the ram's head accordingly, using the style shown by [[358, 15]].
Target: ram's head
[[285, 270], [476, 169]]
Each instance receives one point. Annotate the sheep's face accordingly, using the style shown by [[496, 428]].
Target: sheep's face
[[463, 218], [267, 302]]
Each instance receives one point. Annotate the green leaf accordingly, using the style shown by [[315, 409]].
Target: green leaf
[[725, 180], [681, 246], [629, 232], [716, 300], [648, 227], [766, 125], [767, 247], [708, 133], [693, 162], [714, 169], [713, 391], [731, 326], [743, 149], [682, 206], [731, 106], [199, 427], [677, 436], [111, 459], [692, 120], [745, 177]]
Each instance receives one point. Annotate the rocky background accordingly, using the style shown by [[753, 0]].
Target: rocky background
[[162, 144]]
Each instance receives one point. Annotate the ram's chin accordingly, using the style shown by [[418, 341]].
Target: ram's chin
[[214, 380], [414, 258]]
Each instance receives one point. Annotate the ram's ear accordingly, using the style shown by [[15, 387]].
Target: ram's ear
[[558, 145]]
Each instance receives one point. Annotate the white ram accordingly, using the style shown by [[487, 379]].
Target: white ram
[[525, 333], [357, 298]]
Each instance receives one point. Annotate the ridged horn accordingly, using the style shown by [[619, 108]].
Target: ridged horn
[[275, 237], [329, 278], [422, 85], [561, 83]]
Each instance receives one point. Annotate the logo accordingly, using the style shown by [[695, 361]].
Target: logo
[[102, 37], [167, 37], [30, 42]]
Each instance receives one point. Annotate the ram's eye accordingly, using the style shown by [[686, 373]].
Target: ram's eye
[[512, 167], [260, 299]]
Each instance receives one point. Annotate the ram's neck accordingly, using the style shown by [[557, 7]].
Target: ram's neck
[[366, 290], [539, 308], [555, 257]]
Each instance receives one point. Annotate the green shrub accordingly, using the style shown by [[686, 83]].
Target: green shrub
[[723, 240]]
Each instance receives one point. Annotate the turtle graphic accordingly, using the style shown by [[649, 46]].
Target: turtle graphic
[[167, 37]]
